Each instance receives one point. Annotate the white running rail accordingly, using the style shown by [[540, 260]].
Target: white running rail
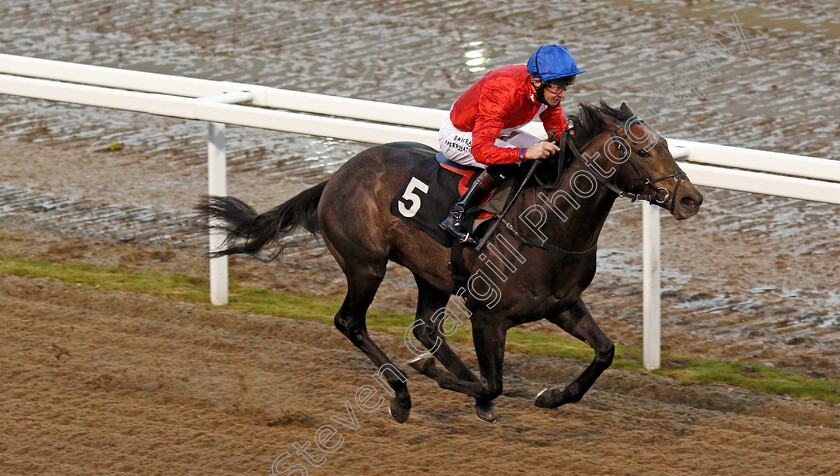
[[218, 102]]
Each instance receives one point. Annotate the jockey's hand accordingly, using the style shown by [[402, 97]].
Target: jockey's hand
[[541, 150]]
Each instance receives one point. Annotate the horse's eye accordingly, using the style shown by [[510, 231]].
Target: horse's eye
[[643, 153]]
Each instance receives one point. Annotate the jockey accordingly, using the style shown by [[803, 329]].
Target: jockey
[[484, 124]]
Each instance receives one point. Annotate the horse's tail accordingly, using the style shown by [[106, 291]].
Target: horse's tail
[[239, 221]]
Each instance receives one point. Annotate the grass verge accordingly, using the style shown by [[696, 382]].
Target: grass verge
[[193, 289]]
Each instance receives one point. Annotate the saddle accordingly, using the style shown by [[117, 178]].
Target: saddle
[[434, 185], [466, 172]]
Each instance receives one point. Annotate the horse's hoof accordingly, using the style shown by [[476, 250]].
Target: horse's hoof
[[567, 397], [397, 412], [486, 412], [544, 399], [424, 364]]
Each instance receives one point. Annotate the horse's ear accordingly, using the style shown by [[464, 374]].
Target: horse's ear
[[624, 108]]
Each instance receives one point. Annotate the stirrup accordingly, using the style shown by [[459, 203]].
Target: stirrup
[[454, 228], [467, 240], [462, 236]]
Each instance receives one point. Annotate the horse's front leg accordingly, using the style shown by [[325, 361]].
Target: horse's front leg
[[578, 322]]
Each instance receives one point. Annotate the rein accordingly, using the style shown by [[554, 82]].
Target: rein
[[565, 142], [561, 172]]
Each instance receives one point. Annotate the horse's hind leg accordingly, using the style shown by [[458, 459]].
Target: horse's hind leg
[[489, 339], [578, 322], [362, 282], [430, 300]]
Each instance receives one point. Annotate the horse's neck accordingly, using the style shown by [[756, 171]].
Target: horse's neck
[[575, 212]]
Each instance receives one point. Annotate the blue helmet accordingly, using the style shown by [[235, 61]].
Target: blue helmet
[[552, 62]]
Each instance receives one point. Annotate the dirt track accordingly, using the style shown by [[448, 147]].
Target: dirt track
[[107, 382], [101, 382]]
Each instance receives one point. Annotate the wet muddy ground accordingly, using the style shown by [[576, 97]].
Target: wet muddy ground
[[751, 277], [104, 382]]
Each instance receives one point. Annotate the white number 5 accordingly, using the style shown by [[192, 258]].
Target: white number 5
[[412, 197]]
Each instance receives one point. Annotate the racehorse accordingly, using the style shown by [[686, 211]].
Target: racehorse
[[552, 235]]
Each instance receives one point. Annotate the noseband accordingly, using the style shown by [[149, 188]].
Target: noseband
[[653, 198]]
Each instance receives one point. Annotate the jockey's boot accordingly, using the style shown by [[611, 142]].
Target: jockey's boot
[[478, 191]]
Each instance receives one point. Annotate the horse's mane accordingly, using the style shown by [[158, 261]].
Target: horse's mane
[[588, 124]]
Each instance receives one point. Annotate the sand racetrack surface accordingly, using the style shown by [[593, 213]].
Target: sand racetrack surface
[[98, 381], [113, 382]]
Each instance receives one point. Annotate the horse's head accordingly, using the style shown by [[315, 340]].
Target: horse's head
[[633, 160]]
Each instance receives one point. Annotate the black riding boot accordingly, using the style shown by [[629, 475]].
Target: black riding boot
[[480, 188]]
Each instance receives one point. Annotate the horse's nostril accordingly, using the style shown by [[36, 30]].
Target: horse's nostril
[[689, 201]]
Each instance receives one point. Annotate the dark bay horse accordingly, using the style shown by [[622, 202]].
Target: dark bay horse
[[544, 255]]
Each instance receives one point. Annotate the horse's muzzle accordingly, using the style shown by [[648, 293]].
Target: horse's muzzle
[[687, 201]]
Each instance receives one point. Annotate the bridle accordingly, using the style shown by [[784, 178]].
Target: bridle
[[564, 142], [653, 198]]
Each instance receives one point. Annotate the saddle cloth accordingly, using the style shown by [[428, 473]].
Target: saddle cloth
[[434, 186]]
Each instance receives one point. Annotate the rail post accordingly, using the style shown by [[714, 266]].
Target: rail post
[[217, 185], [651, 307]]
